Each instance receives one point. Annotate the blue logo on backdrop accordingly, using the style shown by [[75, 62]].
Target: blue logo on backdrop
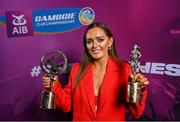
[[2, 20], [56, 20]]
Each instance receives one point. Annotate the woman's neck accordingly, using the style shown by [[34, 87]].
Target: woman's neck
[[101, 63]]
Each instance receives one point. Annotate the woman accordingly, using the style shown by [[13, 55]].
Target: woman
[[97, 87]]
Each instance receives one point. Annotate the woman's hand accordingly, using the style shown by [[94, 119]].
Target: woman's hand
[[47, 81], [140, 78]]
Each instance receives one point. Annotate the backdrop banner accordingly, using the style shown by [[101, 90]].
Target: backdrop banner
[[28, 29]]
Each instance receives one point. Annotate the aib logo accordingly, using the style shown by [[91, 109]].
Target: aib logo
[[19, 24]]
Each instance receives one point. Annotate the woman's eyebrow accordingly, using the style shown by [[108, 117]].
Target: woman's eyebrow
[[88, 39], [100, 37], [96, 37]]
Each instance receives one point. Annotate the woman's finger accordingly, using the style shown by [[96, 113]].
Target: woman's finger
[[138, 77]]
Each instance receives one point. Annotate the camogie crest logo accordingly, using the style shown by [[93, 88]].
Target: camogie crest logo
[[86, 16]]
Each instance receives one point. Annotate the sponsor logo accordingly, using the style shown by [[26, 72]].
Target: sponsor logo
[[161, 68], [60, 20], [2, 20], [18, 23], [47, 21], [86, 16]]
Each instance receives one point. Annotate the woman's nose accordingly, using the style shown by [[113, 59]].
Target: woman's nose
[[95, 44]]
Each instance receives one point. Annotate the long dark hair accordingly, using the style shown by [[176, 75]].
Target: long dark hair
[[86, 59]]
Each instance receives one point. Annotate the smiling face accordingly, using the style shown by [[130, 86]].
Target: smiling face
[[98, 43]]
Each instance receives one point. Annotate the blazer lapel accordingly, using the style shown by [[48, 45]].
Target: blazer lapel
[[105, 88], [107, 83], [89, 88]]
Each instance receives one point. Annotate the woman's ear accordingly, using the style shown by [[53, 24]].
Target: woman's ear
[[110, 42]]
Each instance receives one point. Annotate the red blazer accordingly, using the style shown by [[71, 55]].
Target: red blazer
[[112, 98]]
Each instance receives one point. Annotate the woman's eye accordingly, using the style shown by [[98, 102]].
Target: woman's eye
[[100, 40], [88, 41]]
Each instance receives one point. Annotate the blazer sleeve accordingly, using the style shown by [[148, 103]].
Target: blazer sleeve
[[63, 95], [137, 109]]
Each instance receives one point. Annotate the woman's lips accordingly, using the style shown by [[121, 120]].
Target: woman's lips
[[95, 51]]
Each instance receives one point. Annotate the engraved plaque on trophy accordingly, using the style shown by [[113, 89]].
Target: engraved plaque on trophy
[[134, 88], [52, 63]]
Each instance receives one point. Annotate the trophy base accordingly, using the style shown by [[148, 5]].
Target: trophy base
[[47, 101], [134, 92]]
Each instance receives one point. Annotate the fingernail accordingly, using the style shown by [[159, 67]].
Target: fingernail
[[131, 75]]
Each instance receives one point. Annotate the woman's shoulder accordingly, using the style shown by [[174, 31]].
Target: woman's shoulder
[[121, 62], [125, 65], [75, 67]]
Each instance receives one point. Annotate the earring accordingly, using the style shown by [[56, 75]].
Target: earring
[[109, 48]]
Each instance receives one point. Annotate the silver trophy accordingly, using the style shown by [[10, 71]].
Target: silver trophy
[[52, 63], [134, 88]]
